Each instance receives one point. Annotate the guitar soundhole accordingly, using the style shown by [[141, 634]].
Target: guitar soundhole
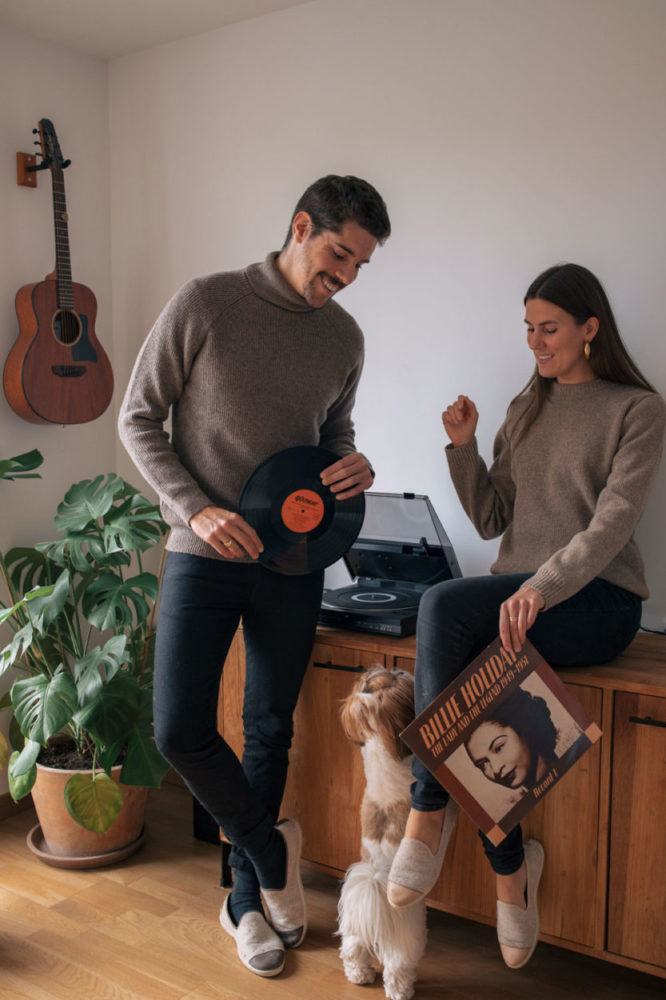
[[68, 371], [67, 326]]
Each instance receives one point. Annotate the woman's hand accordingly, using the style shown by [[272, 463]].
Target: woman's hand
[[228, 533], [348, 476], [460, 420], [517, 615]]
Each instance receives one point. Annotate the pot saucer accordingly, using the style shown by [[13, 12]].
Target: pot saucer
[[37, 844]]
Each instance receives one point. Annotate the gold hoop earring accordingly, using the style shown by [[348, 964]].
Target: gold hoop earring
[[586, 350]]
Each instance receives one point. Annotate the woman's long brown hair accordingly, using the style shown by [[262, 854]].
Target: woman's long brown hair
[[580, 293]]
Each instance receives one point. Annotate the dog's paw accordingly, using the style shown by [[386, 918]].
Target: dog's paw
[[399, 983], [360, 975]]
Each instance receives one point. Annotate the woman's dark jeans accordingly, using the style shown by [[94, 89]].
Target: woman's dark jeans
[[202, 601], [458, 618]]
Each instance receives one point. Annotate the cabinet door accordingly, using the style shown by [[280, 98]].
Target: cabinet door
[[326, 781], [637, 900], [566, 823]]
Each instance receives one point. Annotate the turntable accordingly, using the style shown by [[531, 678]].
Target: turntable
[[402, 549]]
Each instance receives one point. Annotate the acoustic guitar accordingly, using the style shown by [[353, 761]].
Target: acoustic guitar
[[57, 371]]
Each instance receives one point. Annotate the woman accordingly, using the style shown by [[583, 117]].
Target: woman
[[572, 464], [515, 746]]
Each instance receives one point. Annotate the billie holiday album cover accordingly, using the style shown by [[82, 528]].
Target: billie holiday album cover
[[501, 736]]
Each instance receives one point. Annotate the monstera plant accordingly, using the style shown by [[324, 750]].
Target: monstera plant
[[81, 612]]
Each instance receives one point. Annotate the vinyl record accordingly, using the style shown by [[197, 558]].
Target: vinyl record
[[369, 600], [299, 521]]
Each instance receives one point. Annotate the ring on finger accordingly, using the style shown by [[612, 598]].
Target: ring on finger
[[512, 619], [229, 542]]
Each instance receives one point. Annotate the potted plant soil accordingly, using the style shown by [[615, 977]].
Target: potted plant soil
[[81, 610]]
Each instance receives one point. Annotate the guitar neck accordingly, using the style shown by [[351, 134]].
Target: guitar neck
[[63, 261]]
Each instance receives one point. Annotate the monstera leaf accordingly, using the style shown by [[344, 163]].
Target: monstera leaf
[[45, 607], [135, 526], [85, 550], [21, 466], [111, 602], [14, 650], [20, 785], [42, 604], [40, 607], [27, 569], [43, 705], [111, 712], [87, 501], [25, 761], [144, 765], [99, 665]]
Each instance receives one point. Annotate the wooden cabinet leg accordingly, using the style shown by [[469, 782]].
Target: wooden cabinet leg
[[204, 826], [226, 880]]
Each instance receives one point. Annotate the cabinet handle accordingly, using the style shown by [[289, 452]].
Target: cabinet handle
[[647, 721], [329, 665]]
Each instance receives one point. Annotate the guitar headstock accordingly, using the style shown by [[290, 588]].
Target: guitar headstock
[[51, 153]]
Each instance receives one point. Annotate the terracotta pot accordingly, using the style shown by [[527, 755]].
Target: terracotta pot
[[64, 837]]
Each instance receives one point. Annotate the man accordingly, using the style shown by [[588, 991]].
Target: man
[[249, 363]]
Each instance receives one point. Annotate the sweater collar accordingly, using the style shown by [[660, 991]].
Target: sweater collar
[[565, 390], [267, 282]]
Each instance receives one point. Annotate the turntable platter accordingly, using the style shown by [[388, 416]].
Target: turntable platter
[[367, 600]]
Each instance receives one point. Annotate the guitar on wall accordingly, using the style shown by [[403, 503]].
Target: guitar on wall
[[57, 372]]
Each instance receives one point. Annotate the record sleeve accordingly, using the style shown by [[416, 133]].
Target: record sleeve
[[302, 526], [501, 736]]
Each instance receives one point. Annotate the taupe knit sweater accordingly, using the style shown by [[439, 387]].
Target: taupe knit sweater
[[247, 368], [568, 497]]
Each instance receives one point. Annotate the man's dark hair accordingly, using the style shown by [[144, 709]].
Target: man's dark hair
[[332, 200]]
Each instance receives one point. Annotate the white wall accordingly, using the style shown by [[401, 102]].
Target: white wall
[[40, 80], [505, 135]]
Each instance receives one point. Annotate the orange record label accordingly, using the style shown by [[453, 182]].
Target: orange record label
[[302, 511]]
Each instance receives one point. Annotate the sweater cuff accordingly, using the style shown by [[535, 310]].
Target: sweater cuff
[[550, 585], [187, 507], [462, 457]]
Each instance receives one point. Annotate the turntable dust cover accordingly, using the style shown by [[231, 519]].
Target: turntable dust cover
[[501, 736]]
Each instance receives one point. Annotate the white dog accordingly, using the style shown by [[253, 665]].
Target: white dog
[[375, 935]]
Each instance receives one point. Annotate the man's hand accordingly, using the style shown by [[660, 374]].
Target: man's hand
[[348, 476], [517, 615], [226, 532]]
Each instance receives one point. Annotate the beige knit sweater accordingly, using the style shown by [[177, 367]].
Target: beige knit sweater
[[246, 368], [567, 499]]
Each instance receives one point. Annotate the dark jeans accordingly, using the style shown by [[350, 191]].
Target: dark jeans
[[458, 618], [201, 604]]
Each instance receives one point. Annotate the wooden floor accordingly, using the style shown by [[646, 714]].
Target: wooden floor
[[148, 928]]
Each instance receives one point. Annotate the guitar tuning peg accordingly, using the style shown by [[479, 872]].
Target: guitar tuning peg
[[35, 131]]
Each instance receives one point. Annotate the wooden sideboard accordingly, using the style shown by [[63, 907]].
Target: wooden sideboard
[[603, 826]]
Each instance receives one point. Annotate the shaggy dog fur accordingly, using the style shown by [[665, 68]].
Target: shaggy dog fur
[[374, 935]]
